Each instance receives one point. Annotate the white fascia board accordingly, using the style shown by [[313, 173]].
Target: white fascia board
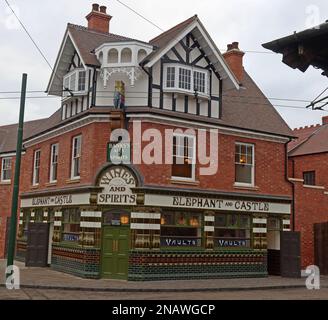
[[60, 54], [57, 61], [209, 40], [124, 44]]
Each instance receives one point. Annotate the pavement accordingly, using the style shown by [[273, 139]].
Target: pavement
[[47, 279]]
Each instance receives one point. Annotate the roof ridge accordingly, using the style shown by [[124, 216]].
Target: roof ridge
[[307, 127], [174, 28]]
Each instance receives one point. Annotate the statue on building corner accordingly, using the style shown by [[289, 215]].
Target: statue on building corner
[[119, 95]]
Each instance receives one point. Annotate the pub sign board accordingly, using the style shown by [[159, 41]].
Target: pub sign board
[[119, 153], [117, 183]]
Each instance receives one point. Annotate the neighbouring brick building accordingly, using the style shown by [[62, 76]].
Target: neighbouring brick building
[[308, 154], [308, 165], [83, 213]]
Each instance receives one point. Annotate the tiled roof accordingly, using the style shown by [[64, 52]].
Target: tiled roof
[[88, 40], [311, 140], [248, 108], [8, 134]]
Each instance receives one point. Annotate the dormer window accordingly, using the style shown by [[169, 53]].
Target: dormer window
[[186, 79], [75, 81]]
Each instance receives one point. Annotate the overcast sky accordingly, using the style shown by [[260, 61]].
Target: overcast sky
[[251, 22]]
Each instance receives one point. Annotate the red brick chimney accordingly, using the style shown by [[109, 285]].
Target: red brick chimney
[[98, 19], [234, 57], [324, 120]]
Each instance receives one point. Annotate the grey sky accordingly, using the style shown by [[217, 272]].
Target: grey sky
[[250, 22]]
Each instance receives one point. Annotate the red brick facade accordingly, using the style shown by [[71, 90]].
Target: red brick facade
[[311, 203], [269, 169]]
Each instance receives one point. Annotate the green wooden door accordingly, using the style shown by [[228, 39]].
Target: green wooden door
[[115, 252]]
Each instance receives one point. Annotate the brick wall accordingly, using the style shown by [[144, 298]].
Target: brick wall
[[315, 162], [310, 204], [5, 209], [269, 175]]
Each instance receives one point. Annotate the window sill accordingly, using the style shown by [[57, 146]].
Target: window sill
[[246, 187], [35, 186], [185, 182], [186, 92], [73, 181], [314, 187], [51, 184], [5, 183]]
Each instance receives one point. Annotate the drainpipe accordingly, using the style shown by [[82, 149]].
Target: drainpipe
[[291, 183]]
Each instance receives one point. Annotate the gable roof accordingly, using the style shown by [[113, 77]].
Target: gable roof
[[167, 40], [311, 140], [165, 37], [84, 41]]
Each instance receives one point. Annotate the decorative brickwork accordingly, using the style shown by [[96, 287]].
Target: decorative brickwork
[[147, 266], [83, 263]]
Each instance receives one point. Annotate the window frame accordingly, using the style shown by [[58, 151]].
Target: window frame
[[52, 163], [237, 227], [188, 216], [312, 177], [36, 177], [193, 169], [73, 158], [192, 69], [242, 184], [3, 170], [68, 80]]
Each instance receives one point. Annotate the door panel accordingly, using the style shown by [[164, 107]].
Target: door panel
[[321, 247], [37, 245], [115, 252], [290, 262]]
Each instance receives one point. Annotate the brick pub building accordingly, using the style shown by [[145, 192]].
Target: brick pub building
[[83, 214]]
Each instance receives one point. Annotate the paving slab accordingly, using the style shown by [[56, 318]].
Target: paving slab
[[46, 278]]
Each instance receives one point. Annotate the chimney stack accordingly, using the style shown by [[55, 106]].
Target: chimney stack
[[234, 58], [98, 19]]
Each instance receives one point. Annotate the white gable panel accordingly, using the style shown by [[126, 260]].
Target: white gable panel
[[210, 49], [64, 59]]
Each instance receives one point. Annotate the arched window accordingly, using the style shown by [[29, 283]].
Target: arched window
[[112, 56], [101, 57], [142, 54], [126, 55]]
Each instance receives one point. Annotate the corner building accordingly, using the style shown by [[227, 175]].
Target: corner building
[[150, 219]]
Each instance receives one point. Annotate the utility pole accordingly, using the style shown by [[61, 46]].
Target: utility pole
[[14, 205]]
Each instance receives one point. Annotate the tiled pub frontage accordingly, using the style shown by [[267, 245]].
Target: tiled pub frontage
[[120, 229]]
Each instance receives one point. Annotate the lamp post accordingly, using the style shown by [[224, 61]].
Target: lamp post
[[14, 206]]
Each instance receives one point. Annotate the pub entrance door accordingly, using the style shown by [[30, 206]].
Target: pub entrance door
[[37, 245], [115, 252]]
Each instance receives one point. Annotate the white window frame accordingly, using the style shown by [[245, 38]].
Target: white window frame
[[68, 79], [241, 184], [176, 87], [35, 183], [3, 169], [53, 163], [74, 157], [193, 175]]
